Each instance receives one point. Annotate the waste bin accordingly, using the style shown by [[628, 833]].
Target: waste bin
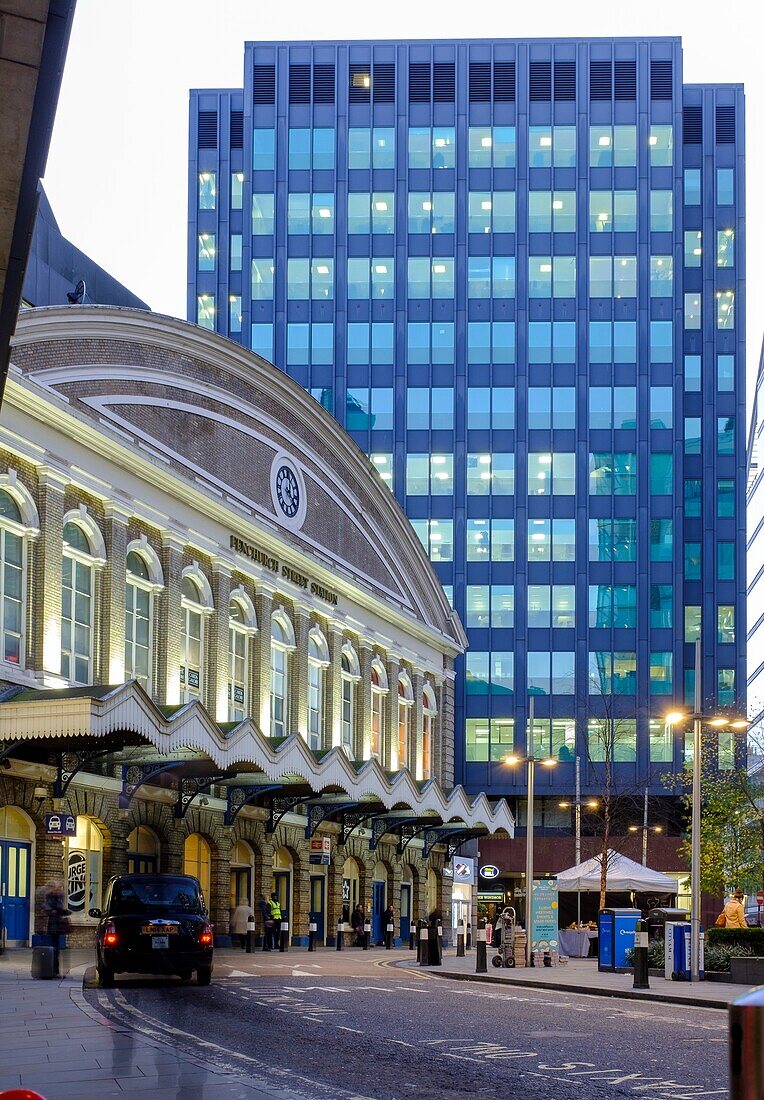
[[678, 952], [617, 929], [43, 962], [658, 918]]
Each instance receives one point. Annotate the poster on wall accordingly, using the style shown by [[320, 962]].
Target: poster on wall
[[320, 851], [545, 911]]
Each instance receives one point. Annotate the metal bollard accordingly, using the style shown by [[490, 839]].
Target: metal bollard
[[469, 935], [641, 975], [424, 947], [389, 929], [746, 1046], [312, 929], [435, 944], [340, 934], [412, 937], [440, 936], [284, 937], [460, 940], [480, 960], [250, 933], [366, 935]]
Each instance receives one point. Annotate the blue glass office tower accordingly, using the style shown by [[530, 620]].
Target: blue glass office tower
[[514, 271]]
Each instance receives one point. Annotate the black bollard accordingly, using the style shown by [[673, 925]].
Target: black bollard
[[424, 946], [436, 945], [746, 1042], [389, 930], [312, 936], [440, 936], [460, 940], [641, 974], [366, 935], [469, 935], [412, 937], [284, 937], [480, 957], [250, 933], [340, 934]]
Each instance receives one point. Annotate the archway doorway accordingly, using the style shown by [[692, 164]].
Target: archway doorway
[[142, 851], [197, 861], [407, 894], [378, 902], [283, 867], [350, 887], [17, 834], [242, 879]]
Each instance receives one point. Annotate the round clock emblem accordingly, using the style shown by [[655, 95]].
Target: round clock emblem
[[287, 491]]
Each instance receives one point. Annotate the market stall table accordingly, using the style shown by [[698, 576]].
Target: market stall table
[[574, 942]]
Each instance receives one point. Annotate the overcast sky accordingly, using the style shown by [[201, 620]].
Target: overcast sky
[[117, 175]]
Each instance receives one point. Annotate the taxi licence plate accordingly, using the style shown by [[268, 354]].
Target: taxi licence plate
[[160, 943]]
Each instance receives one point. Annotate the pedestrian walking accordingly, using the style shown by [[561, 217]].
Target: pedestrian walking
[[733, 912], [58, 922], [356, 923], [388, 917], [265, 916], [275, 907], [240, 921]]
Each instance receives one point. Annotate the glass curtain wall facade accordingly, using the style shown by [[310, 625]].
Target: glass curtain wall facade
[[514, 272]]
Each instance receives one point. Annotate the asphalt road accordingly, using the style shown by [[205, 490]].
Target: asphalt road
[[349, 1027]]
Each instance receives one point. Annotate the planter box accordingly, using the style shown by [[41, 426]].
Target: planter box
[[747, 971]]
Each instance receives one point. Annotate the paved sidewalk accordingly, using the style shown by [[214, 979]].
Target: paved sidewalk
[[582, 976], [56, 1044]]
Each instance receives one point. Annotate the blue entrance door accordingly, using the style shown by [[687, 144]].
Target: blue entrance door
[[14, 888], [377, 909], [405, 912], [317, 892]]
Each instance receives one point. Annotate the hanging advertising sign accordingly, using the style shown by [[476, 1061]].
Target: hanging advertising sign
[[463, 870], [320, 850], [545, 911], [62, 824], [489, 870]]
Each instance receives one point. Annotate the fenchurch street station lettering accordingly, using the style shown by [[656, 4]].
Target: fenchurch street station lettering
[[290, 574]]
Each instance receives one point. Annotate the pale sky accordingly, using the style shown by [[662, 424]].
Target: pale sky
[[117, 170]]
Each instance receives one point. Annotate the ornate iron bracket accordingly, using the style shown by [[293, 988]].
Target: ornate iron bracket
[[238, 797], [409, 832], [279, 806], [69, 763], [8, 748], [353, 821], [189, 788], [324, 811], [135, 775], [440, 835], [386, 823]]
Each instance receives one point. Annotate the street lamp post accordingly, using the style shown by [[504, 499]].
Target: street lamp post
[[718, 722], [645, 830], [531, 761], [591, 804]]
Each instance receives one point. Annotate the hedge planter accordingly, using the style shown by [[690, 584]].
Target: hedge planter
[[748, 971]]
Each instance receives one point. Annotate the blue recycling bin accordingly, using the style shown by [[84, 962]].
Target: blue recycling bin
[[617, 929], [678, 953]]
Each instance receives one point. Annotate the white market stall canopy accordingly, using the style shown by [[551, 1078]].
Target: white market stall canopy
[[623, 875]]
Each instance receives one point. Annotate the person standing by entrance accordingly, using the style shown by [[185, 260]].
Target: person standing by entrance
[[58, 922], [265, 916], [240, 922], [388, 917], [275, 907], [357, 922]]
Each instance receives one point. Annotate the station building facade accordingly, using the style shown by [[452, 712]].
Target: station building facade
[[222, 648]]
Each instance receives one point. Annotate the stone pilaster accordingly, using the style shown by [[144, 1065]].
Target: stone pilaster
[[260, 706], [416, 724], [45, 607], [362, 722], [333, 685], [169, 622], [390, 720], [443, 764], [298, 676], [112, 635], [217, 626]]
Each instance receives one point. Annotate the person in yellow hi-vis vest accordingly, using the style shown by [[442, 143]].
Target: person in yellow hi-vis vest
[[276, 918]]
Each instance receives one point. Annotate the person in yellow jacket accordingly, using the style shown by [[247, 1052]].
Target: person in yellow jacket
[[734, 913], [275, 908]]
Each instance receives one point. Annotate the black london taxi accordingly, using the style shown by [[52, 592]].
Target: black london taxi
[[153, 924]]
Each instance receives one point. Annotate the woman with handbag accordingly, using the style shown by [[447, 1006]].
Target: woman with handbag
[[733, 914]]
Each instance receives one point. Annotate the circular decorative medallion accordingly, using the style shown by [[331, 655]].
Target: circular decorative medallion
[[288, 490]]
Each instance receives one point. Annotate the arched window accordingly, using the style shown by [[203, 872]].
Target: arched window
[[350, 674], [282, 642], [405, 701], [139, 618], [238, 662], [142, 851], [197, 861], [429, 712], [192, 640], [12, 581], [318, 659], [378, 692], [77, 604], [84, 864]]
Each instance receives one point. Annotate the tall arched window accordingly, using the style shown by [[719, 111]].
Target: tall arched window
[[350, 674], [83, 854], [241, 626], [197, 861], [378, 692], [142, 851], [405, 702], [318, 659], [77, 604], [12, 587], [429, 713], [192, 640], [139, 617], [282, 642]]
